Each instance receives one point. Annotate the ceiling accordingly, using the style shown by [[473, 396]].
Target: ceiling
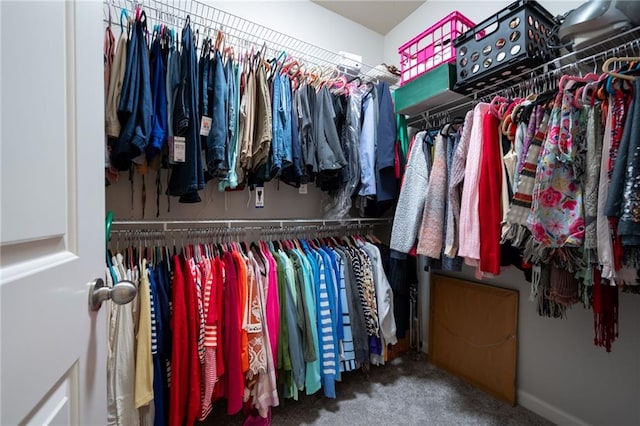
[[379, 16]]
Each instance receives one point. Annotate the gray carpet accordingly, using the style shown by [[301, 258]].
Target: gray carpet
[[404, 392]]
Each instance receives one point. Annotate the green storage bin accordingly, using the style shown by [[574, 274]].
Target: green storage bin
[[428, 92]]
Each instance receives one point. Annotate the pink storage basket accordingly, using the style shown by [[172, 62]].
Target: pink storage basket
[[432, 47]]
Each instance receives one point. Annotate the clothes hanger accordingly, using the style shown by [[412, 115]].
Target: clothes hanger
[[607, 64], [569, 79]]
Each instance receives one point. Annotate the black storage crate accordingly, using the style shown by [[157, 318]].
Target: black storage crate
[[509, 43]]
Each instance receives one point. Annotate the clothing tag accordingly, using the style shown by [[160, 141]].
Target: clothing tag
[[259, 197], [177, 149], [302, 189], [205, 126]]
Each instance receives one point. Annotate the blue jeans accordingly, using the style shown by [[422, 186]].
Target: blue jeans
[[188, 177], [135, 109], [217, 139], [159, 96]]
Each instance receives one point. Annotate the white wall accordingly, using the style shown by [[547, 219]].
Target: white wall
[[434, 10], [311, 23]]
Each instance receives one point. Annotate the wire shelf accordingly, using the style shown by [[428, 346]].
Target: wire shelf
[[241, 33]]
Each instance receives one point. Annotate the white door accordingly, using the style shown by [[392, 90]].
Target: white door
[[53, 349]]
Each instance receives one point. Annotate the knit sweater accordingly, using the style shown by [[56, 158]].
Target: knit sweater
[[455, 187], [469, 231], [431, 236], [413, 193]]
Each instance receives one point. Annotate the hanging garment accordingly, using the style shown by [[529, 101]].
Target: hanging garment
[[209, 373], [306, 101], [234, 379], [351, 140], [231, 179], [218, 135], [188, 177], [313, 378], [296, 351], [430, 236], [179, 389], [302, 309], [407, 219], [252, 324], [386, 182], [384, 297], [368, 140], [121, 359], [556, 217], [627, 206], [162, 302], [263, 132], [173, 81], [516, 229], [144, 359], [452, 140], [159, 97], [469, 231], [265, 393], [458, 167], [347, 351], [605, 246], [594, 159], [294, 174], [489, 205], [248, 112], [116, 79], [160, 415], [195, 338], [329, 361], [135, 108]]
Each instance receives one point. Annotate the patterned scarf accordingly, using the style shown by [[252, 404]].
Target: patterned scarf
[[557, 214], [594, 158], [515, 228]]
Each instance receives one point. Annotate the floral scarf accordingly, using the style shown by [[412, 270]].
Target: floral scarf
[[556, 219]]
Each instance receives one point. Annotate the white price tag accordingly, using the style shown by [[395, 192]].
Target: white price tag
[[302, 189], [177, 149], [259, 197], [205, 126]]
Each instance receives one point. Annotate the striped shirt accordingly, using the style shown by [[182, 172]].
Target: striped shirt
[[328, 343]]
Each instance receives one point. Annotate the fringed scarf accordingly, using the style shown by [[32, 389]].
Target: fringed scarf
[[515, 228], [605, 312], [592, 179], [541, 290]]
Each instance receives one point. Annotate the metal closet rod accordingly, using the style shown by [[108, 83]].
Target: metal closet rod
[[539, 73], [167, 225]]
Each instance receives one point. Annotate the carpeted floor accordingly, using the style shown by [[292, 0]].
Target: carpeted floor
[[404, 392]]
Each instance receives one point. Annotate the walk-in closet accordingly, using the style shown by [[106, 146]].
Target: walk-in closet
[[320, 212]]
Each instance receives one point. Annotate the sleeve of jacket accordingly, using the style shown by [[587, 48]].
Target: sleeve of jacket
[[408, 215]]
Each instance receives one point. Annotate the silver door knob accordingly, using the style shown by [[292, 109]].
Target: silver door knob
[[121, 293]]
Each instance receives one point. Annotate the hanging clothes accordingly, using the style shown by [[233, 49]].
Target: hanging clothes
[[135, 107], [188, 177], [234, 318]]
